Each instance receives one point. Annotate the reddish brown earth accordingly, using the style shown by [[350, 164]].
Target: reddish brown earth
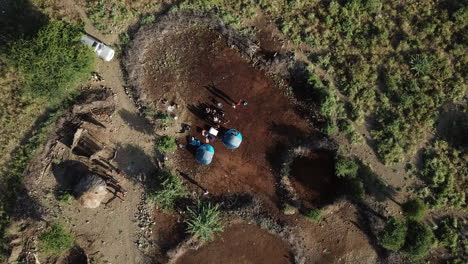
[[169, 230], [196, 58], [313, 177], [241, 244]]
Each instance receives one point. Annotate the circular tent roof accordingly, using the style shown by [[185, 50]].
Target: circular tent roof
[[232, 139], [204, 154]]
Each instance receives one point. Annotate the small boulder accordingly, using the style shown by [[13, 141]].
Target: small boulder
[[91, 191], [290, 210]]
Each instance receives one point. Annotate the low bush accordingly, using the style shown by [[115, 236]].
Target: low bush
[[166, 189], [165, 144], [414, 209], [313, 215], [393, 235], [356, 188], [419, 239], [203, 221], [56, 241], [53, 62]]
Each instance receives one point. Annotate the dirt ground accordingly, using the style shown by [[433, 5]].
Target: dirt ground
[[241, 244], [202, 59]]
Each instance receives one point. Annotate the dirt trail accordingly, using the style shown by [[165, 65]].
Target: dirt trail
[[111, 231]]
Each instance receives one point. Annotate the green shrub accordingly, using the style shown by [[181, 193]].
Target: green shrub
[[167, 188], [163, 118], [165, 144], [345, 167], [419, 239], [56, 241], [313, 215], [447, 234], [393, 235], [414, 209], [203, 221], [53, 62]]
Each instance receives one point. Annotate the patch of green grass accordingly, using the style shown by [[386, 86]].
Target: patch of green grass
[[56, 241], [52, 63], [65, 197], [313, 215], [167, 189], [148, 19], [165, 144], [203, 221]]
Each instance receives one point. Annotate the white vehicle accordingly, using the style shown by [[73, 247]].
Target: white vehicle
[[103, 51]]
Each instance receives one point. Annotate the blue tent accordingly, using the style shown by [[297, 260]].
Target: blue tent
[[204, 154], [232, 139]]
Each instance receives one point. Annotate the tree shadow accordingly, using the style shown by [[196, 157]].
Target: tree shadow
[[19, 19], [68, 174], [220, 94], [135, 121], [134, 162], [452, 126], [375, 186]]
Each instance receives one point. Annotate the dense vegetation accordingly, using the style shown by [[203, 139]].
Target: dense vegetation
[[445, 171], [53, 62]]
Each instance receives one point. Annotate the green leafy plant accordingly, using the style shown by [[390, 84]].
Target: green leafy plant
[[53, 62], [393, 235], [56, 241], [167, 188], [165, 144], [313, 215], [203, 221], [414, 209]]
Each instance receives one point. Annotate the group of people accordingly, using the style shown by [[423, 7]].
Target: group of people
[[216, 115]]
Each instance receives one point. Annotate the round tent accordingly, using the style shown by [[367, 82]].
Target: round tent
[[232, 139], [204, 154]]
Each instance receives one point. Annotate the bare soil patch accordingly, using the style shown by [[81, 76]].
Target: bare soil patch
[[241, 244], [180, 66], [313, 178]]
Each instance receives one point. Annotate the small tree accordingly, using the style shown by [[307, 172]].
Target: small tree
[[203, 221], [414, 209], [419, 239], [56, 241], [165, 144], [313, 215], [393, 235]]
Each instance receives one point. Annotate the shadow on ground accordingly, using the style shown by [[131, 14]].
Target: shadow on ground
[[135, 121]]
